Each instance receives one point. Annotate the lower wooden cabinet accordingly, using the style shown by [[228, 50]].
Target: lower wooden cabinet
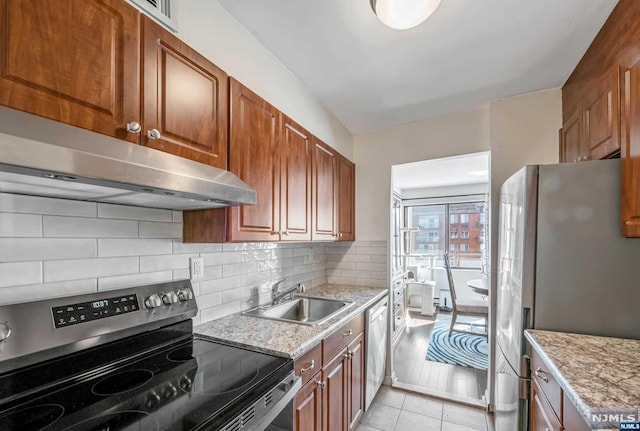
[[308, 405], [550, 408], [333, 399]]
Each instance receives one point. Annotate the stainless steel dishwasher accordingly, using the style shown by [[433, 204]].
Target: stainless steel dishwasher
[[376, 332]]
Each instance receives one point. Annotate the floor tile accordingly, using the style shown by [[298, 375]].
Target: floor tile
[[382, 417], [408, 421], [423, 406], [362, 427], [390, 397], [462, 415], [449, 426]]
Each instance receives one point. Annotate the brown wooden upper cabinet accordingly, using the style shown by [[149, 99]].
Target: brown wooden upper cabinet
[[75, 62], [272, 154], [82, 64], [255, 159], [184, 104], [333, 195], [324, 191], [631, 151], [346, 200], [591, 128]]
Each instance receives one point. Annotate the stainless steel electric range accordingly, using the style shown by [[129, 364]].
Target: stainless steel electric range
[[128, 360]]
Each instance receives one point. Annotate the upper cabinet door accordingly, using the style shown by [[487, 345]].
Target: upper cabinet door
[[572, 148], [602, 118], [295, 181], [184, 99], [324, 192], [346, 199], [631, 152], [74, 61], [254, 158]]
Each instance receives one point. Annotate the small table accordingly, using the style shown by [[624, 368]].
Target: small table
[[479, 286]]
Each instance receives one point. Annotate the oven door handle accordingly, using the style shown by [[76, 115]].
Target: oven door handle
[[283, 393]]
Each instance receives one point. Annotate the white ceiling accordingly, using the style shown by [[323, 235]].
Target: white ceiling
[[467, 54], [449, 171]]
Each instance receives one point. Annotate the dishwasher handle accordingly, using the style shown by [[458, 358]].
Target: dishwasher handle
[[376, 313]]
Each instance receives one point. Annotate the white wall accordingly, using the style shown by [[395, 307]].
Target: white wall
[[208, 28], [375, 153], [524, 130]]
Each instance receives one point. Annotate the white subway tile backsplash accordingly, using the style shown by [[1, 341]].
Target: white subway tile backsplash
[[134, 213], [31, 249], [222, 258], [60, 227], [213, 313], [122, 281], [163, 262], [150, 229], [35, 292], [108, 247], [210, 300], [76, 269], [20, 225], [51, 247], [180, 247], [38, 205], [19, 273], [233, 269]]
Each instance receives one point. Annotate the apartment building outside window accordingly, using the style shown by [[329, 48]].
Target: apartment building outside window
[[438, 228]]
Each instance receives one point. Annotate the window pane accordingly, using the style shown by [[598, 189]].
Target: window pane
[[465, 236], [429, 235]]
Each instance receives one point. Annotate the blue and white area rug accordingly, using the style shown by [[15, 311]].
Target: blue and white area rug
[[459, 349]]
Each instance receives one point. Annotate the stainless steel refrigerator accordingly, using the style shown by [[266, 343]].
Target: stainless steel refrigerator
[[563, 265]]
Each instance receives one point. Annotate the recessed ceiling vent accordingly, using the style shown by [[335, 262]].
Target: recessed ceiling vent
[[163, 11]]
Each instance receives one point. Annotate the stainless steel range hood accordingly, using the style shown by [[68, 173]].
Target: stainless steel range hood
[[45, 158]]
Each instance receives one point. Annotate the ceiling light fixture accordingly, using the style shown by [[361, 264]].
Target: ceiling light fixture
[[403, 14]]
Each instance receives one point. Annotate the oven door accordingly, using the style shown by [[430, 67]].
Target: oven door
[[273, 411]]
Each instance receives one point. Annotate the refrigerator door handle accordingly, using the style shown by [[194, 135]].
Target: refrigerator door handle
[[524, 389]]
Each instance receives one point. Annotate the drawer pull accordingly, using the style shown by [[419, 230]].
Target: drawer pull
[[347, 333], [310, 367], [542, 374]]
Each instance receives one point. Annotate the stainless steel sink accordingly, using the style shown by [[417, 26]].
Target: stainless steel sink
[[305, 310]]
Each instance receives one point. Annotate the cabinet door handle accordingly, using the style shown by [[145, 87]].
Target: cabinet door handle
[[286, 232], [347, 333], [542, 374], [321, 384], [154, 134], [133, 127], [310, 367]]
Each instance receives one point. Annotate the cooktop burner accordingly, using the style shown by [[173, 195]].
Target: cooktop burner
[[38, 417], [122, 382], [176, 387]]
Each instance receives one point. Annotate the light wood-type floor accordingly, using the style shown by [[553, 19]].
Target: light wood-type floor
[[411, 366]]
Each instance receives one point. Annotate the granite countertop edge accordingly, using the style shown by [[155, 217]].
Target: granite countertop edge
[[309, 335], [603, 375], [557, 374]]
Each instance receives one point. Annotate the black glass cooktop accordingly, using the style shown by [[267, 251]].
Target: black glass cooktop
[[179, 386]]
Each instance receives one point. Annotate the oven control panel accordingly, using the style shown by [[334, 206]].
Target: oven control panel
[[72, 314]]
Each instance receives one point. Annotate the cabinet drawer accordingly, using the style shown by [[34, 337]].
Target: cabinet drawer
[[547, 384], [543, 418], [343, 336], [309, 364]]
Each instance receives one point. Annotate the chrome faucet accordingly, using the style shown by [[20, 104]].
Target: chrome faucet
[[277, 295]]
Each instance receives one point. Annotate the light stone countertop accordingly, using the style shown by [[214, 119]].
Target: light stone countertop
[[594, 372], [284, 338]]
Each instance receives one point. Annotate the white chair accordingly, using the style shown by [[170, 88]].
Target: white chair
[[465, 306]]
